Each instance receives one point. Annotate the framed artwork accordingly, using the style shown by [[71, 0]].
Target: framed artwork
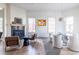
[[41, 22]]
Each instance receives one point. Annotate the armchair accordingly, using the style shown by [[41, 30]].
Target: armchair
[[13, 42]]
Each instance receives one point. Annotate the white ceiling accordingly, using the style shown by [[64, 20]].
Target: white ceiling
[[47, 6]]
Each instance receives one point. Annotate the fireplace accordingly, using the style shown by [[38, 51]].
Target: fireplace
[[18, 31]]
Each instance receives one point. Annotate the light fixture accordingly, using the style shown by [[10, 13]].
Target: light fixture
[[60, 19], [1, 8]]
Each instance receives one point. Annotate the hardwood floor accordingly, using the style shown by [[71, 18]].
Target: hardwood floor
[[40, 47], [36, 48]]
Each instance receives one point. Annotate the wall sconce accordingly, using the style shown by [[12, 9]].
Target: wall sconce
[[61, 18], [1, 8]]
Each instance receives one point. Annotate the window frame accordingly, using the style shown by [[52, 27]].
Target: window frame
[[34, 25], [70, 25], [52, 24], [1, 24]]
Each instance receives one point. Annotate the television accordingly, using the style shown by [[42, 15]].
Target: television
[[18, 20]]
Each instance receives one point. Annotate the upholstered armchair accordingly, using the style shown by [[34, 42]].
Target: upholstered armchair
[[58, 42], [74, 42], [13, 42]]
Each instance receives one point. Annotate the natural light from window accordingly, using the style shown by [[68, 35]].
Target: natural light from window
[[1, 24], [51, 25], [31, 24], [69, 25]]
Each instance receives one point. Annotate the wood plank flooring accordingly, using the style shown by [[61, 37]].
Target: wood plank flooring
[[36, 48], [40, 47]]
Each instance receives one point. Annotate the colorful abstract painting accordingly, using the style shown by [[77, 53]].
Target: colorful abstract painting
[[41, 22]]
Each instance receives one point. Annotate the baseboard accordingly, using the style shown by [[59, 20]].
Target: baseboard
[[43, 37]]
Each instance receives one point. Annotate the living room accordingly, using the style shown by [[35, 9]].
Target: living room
[[42, 28]]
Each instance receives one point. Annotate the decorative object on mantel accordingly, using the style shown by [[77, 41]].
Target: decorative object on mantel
[[18, 20], [41, 22], [17, 28], [13, 22]]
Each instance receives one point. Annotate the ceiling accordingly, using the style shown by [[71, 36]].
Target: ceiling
[[47, 6]]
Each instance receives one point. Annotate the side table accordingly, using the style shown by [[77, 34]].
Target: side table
[[26, 41]]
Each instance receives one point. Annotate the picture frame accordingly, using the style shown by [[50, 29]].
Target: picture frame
[[41, 22]]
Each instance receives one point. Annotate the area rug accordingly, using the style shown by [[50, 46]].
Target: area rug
[[49, 49]]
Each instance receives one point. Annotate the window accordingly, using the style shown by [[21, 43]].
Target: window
[[1, 24], [51, 25], [69, 24], [31, 24]]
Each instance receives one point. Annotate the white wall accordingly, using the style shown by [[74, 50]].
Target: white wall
[[43, 30], [16, 12], [2, 11], [3, 5], [75, 13], [11, 11], [44, 14], [60, 25]]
